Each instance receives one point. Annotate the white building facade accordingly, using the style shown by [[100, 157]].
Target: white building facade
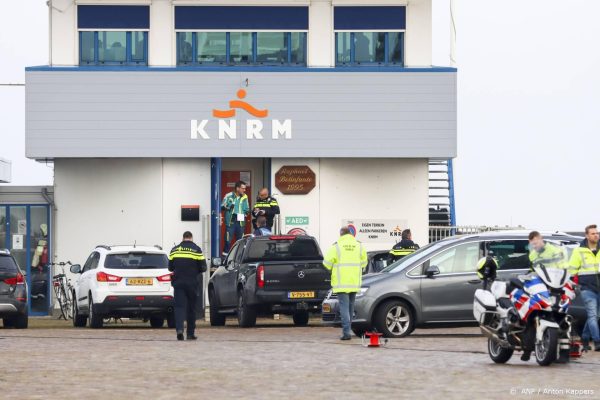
[[149, 108]]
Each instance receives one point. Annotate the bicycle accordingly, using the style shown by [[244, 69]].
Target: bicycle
[[63, 291]]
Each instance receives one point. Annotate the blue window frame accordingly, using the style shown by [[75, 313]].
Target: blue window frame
[[241, 48], [113, 48], [369, 48]]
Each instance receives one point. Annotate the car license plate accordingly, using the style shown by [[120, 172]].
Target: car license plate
[[139, 281], [327, 308], [301, 295]]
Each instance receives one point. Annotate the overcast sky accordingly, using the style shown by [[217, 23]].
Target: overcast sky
[[528, 106]]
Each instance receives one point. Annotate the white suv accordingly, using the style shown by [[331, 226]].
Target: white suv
[[123, 282]]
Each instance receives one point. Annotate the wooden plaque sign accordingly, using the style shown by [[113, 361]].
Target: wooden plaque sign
[[295, 179]]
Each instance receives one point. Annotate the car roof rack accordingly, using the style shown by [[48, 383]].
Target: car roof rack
[[103, 246], [158, 247]]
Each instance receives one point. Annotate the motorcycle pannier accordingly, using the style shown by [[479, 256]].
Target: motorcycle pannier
[[484, 301]]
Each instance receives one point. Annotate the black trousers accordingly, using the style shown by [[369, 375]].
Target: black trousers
[[186, 298]]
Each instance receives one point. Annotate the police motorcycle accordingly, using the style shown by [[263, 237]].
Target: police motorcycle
[[527, 314]]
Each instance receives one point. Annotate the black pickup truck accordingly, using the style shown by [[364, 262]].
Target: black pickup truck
[[268, 274]]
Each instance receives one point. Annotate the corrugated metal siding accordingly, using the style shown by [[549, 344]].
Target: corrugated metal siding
[[148, 113]]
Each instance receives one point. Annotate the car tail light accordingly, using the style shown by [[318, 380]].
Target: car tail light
[[139, 298], [260, 276], [112, 298], [164, 278], [17, 280], [104, 277], [167, 297]]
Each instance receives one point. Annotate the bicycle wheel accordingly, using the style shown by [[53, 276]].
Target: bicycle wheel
[[68, 301], [62, 302], [58, 297]]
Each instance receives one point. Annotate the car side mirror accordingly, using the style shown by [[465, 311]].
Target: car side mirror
[[216, 262], [76, 269], [431, 271]]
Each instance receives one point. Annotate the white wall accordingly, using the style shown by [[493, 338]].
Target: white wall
[[360, 188], [418, 39], [119, 201], [185, 181]]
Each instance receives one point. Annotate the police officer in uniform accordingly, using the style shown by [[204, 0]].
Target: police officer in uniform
[[403, 248], [265, 206], [346, 260], [187, 263]]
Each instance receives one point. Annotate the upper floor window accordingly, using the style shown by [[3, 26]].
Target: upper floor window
[[369, 35], [113, 34], [113, 48], [241, 48], [369, 48]]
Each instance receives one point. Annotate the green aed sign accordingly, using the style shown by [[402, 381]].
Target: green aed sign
[[296, 220]]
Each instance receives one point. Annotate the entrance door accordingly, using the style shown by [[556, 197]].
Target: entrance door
[[25, 231], [228, 180]]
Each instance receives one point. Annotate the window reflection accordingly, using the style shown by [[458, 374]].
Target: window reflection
[[271, 47], [211, 47], [240, 47]]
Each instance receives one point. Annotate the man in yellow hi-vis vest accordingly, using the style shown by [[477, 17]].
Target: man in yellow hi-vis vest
[[346, 260]]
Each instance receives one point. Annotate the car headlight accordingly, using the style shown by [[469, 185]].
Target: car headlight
[[362, 291]]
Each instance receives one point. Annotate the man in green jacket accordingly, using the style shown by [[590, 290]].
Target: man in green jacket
[[236, 207]]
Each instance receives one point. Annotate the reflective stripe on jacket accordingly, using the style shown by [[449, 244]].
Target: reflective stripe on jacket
[[346, 260], [551, 256], [586, 266], [186, 261], [269, 206]]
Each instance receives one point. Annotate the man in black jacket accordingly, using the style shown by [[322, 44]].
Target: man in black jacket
[[187, 263], [405, 247], [265, 205]]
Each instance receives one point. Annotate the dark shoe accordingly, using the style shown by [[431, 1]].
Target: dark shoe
[[596, 346], [586, 345], [180, 336], [346, 337], [526, 356], [191, 337]]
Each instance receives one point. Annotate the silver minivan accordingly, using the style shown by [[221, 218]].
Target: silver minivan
[[435, 285]]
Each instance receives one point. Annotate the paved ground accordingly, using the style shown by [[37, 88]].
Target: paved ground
[[274, 360]]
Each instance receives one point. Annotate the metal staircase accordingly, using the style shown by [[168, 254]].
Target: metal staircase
[[441, 193]]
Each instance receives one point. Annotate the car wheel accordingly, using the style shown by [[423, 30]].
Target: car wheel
[[79, 320], [246, 314], [394, 319], [301, 318], [171, 320], [216, 318], [157, 322], [96, 321], [21, 321]]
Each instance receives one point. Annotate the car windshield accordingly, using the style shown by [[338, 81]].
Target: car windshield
[[7, 264], [283, 249], [135, 260], [408, 260]]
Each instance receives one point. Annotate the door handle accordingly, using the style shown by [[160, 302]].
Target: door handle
[[474, 281]]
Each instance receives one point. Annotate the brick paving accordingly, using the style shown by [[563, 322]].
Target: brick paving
[[273, 361]]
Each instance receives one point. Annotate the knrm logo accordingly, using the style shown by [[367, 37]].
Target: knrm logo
[[227, 125]]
